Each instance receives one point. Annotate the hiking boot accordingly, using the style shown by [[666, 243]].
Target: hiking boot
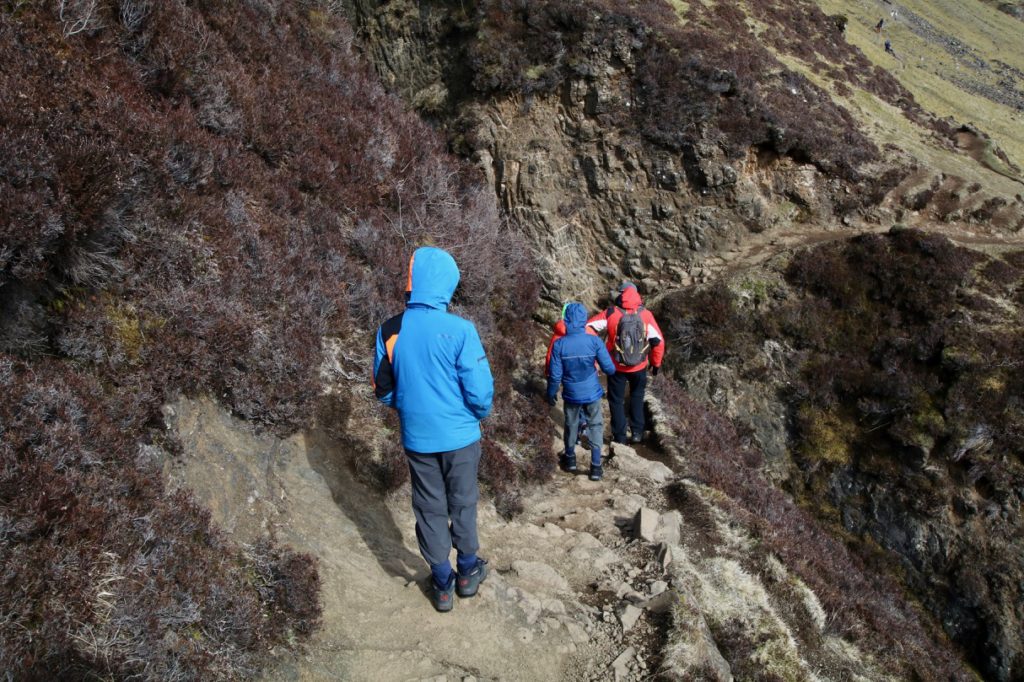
[[568, 463], [443, 599], [596, 472], [467, 585], [636, 438]]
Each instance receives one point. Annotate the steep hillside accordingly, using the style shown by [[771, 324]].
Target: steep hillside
[[206, 208], [193, 198], [671, 142], [885, 375]]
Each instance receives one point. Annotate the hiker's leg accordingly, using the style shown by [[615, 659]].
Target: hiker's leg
[[616, 400], [572, 426], [460, 476], [595, 429], [430, 505], [637, 387]]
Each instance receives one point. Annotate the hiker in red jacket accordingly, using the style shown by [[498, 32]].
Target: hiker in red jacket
[[634, 341], [557, 332]]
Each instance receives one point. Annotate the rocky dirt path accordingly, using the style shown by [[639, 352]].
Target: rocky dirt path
[[758, 248], [574, 594]]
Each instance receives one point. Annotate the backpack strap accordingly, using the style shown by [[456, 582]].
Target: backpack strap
[[384, 377]]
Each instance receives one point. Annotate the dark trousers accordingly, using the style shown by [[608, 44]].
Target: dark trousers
[[444, 497], [617, 403], [595, 427]]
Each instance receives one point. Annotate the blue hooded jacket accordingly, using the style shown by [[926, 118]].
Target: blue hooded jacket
[[430, 365], [572, 361]]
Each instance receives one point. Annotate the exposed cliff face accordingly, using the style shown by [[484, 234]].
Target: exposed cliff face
[[579, 159], [885, 374], [638, 144]]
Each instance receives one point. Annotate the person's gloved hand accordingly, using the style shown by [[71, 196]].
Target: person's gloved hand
[[654, 371], [552, 400]]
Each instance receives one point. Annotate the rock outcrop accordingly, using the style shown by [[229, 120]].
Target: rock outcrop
[[905, 436], [604, 192], [597, 202]]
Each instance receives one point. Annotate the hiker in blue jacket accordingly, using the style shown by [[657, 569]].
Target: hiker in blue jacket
[[431, 367], [572, 366]]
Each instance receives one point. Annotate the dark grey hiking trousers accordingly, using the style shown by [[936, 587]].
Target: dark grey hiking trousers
[[595, 425], [444, 498]]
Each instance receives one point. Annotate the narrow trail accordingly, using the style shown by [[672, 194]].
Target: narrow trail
[[758, 248], [552, 608], [574, 594]]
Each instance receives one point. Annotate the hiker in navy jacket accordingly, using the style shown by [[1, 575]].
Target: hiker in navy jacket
[[572, 366], [431, 367]]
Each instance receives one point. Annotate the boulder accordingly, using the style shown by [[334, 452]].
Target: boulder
[[668, 530]]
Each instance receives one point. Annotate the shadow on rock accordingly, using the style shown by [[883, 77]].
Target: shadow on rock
[[365, 508]]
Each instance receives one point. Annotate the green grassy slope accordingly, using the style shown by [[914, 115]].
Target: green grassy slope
[[963, 60]]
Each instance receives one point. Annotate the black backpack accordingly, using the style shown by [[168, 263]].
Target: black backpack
[[631, 339]]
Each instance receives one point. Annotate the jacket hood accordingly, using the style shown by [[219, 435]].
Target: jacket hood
[[559, 328], [575, 318], [631, 299], [433, 276]]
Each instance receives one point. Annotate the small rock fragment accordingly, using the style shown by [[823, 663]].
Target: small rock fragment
[[664, 556], [620, 666], [577, 634], [629, 616], [645, 523]]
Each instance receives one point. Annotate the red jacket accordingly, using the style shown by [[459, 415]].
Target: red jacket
[[557, 332], [608, 320]]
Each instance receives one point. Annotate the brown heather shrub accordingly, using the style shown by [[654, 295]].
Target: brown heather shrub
[[191, 196], [865, 605], [105, 573], [499, 473], [905, 357]]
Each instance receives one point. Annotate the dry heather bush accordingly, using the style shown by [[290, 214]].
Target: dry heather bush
[[106, 574], [191, 196], [864, 604], [908, 353]]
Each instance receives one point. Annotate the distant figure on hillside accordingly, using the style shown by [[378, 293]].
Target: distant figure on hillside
[[430, 366], [878, 26], [634, 341], [888, 47], [572, 367]]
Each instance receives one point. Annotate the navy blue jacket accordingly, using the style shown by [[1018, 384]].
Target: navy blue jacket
[[572, 361], [430, 365]]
